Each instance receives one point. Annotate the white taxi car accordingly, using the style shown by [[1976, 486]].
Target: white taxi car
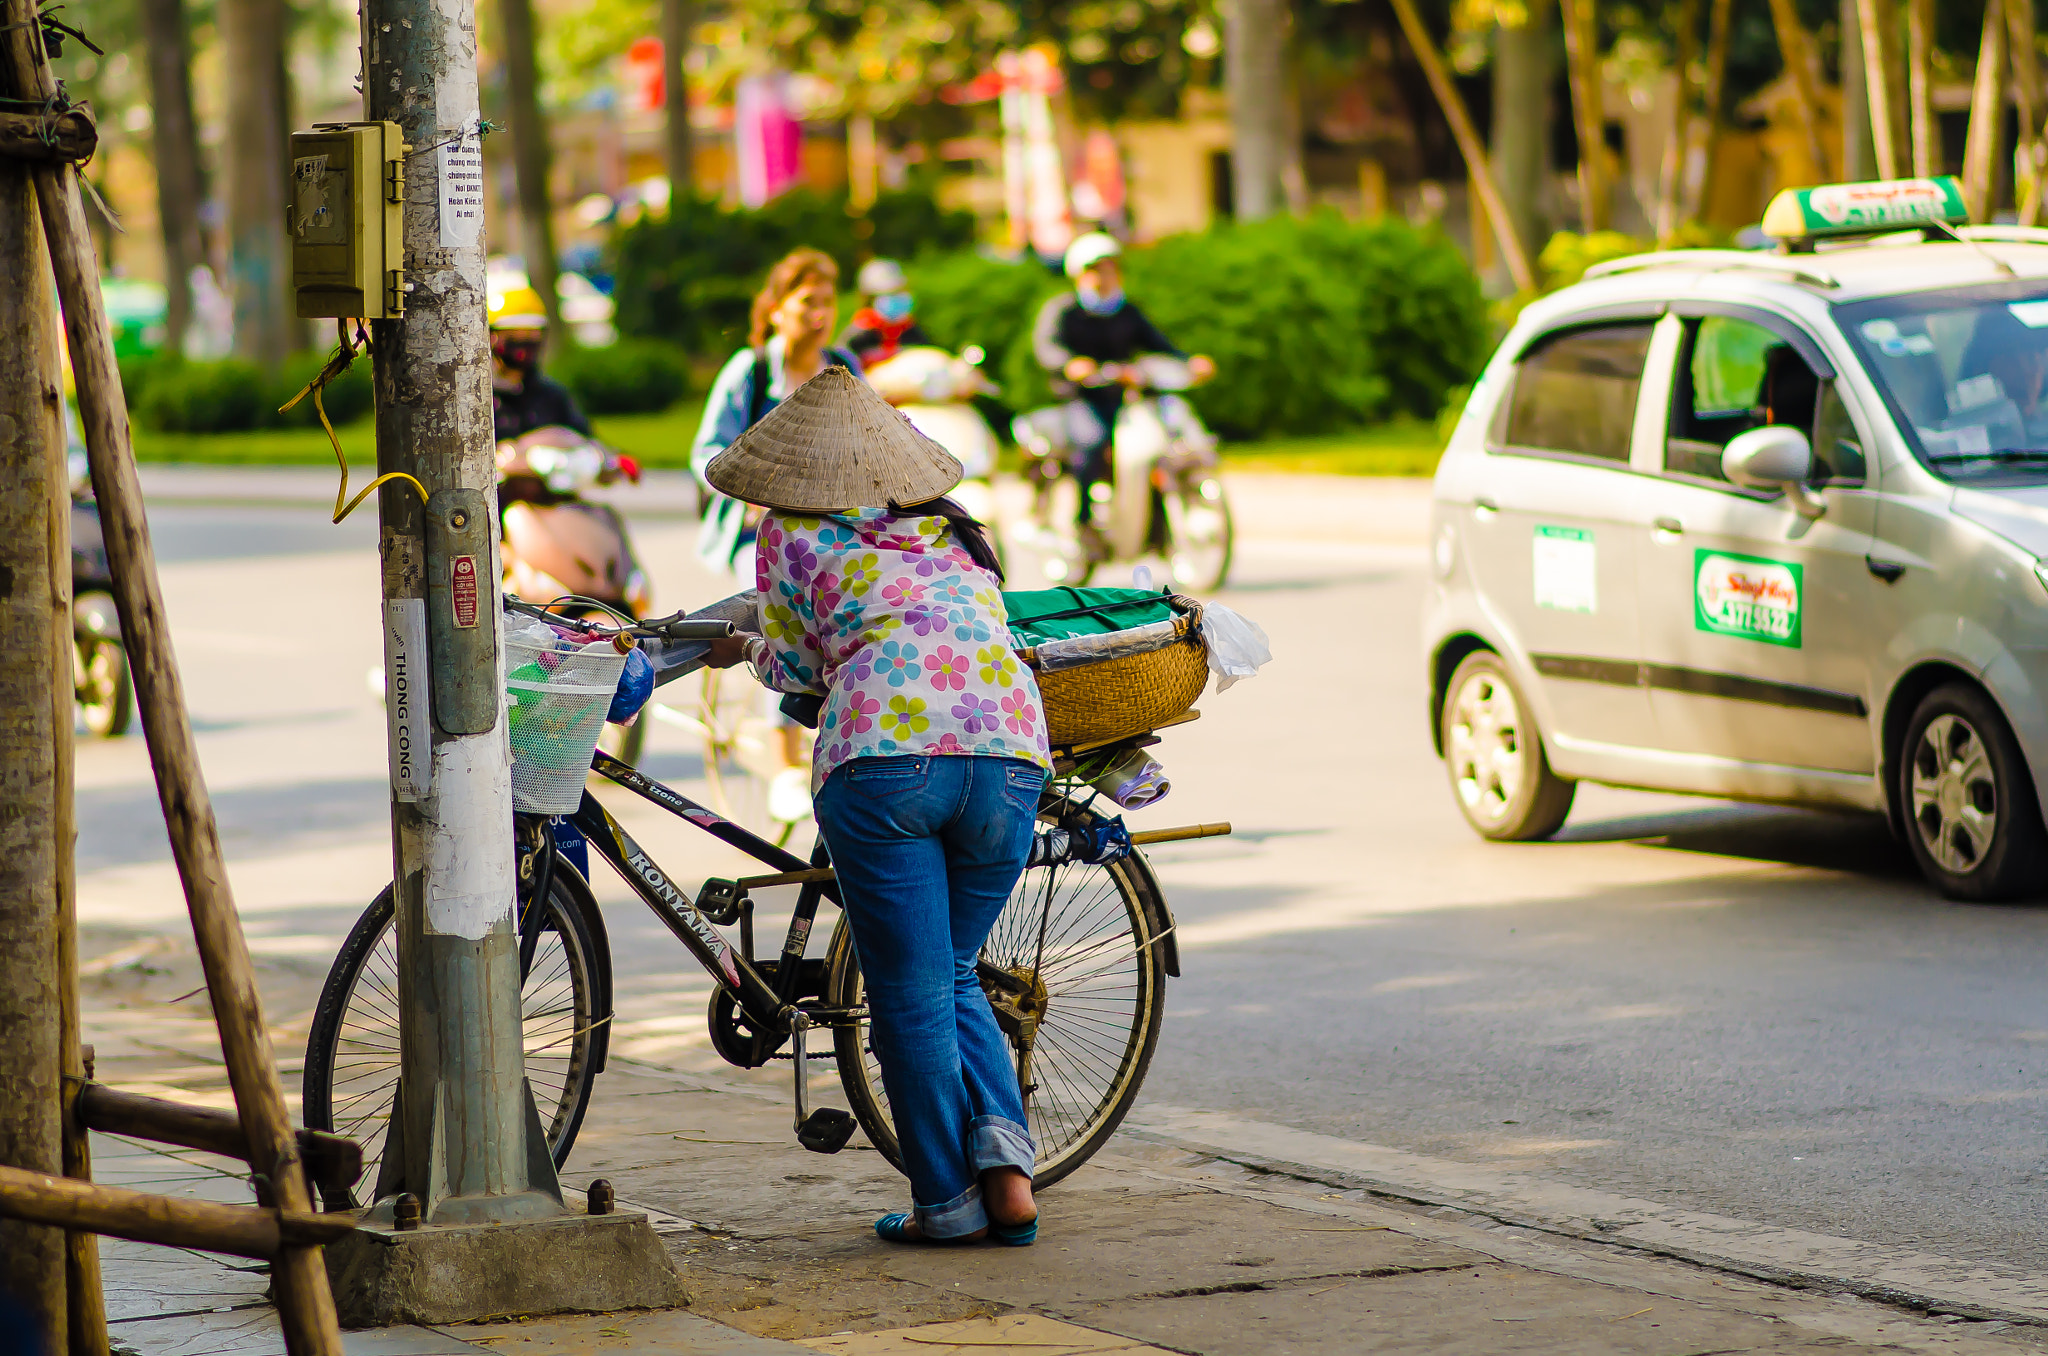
[[1771, 526]]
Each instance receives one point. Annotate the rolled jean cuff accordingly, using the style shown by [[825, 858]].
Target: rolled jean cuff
[[998, 1142], [961, 1215]]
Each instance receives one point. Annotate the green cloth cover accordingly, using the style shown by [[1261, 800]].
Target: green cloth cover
[[1055, 614]]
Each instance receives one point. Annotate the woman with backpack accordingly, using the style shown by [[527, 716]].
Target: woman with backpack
[[787, 344]]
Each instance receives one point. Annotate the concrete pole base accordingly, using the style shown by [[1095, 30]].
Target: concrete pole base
[[462, 1272]]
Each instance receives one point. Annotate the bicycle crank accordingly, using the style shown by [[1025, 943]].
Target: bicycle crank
[[826, 1130]]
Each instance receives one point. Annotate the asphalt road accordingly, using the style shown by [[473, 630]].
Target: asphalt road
[[1756, 1012]]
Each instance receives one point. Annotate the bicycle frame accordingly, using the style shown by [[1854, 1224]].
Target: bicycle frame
[[770, 1006]]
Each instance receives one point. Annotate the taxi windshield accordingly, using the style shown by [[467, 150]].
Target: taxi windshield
[[1965, 371]]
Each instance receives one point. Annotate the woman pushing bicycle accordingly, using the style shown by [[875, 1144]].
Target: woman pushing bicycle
[[881, 598]]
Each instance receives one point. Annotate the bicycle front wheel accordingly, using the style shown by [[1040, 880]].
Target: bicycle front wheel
[[351, 1077], [1082, 941]]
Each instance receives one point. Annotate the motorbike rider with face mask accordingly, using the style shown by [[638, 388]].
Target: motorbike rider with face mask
[[887, 324], [522, 399], [1080, 333]]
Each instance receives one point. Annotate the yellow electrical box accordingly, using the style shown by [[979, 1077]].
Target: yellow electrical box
[[346, 219]]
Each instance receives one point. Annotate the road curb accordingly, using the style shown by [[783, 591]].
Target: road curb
[[1980, 1291]]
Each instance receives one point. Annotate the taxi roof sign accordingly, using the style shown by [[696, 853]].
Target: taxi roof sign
[[1804, 214]]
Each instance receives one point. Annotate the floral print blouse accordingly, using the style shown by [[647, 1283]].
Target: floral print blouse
[[905, 637]]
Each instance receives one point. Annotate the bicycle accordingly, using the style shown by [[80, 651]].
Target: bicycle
[[1075, 970]]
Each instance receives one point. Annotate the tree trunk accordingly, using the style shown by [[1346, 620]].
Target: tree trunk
[[1462, 131], [179, 188], [1589, 114], [1859, 152], [1678, 132], [1254, 70], [530, 157], [32, 606], [1879, 22], [2027, 161], [1522, 68], [1797, 54], [678, 28], [1987, 117], [1925, 132], [252, 38], [1701, 199]]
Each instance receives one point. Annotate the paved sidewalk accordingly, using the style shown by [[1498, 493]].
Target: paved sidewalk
[[1154, 1247]]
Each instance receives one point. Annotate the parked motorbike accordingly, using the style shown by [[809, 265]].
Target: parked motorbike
[[100, 679], [1163, 495], [936, 392], [557, 544]]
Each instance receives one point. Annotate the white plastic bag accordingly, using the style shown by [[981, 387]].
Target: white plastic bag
[[1237, 647]]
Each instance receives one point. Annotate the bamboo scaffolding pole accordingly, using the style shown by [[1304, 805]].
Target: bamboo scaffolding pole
[[305, 1304], [332, 1161], [172, 1221]]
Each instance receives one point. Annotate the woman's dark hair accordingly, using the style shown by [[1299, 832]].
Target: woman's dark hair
[[968, 530], [799, 267]]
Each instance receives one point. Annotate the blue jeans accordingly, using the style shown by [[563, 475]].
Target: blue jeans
[[928, 850]]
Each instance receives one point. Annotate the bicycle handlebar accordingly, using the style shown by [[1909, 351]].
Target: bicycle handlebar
[[675, 626]]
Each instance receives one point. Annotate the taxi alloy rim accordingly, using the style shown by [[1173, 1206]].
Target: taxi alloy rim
[[1487, 753], [1955, 794]]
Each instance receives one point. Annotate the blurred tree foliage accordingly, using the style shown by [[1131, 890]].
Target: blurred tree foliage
[[689, 275]]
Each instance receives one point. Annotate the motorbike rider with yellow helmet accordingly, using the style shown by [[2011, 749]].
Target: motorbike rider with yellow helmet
[[522, 399]]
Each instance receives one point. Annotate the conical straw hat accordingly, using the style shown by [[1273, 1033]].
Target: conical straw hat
[[832, 446]]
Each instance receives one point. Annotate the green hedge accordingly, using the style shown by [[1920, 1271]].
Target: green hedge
[[1316, 324], [633, 376], [689, 275], [167, 394]]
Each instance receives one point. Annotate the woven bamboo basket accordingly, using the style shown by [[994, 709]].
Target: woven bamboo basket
[[1119, 698]]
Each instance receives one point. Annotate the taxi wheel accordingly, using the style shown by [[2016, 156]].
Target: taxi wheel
[[1974, 822], [1494, 754]]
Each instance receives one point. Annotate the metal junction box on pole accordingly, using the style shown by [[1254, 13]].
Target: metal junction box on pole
[[347, 220]]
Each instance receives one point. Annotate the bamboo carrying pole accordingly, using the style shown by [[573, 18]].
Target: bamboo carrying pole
[[305, 1304], [172, 1221], [1469, 145]]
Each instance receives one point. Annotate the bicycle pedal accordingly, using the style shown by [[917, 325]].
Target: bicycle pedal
[[826, 1130]]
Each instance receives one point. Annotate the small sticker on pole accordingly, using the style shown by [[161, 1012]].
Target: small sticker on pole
[[405, 698], [462, 590]]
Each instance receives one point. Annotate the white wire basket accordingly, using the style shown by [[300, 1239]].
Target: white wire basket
[[556, 695]]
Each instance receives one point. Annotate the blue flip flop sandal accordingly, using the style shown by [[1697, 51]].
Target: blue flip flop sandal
[[1014, 1235], [895, 1228]]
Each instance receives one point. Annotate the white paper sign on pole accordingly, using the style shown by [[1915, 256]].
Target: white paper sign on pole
[[462, 192], [405, 698]]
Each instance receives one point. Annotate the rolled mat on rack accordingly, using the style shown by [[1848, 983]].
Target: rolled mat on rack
[[1103, 684]]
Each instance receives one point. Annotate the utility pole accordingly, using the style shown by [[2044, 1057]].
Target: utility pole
[[458, 1138], [493, 1235], [35, 613]]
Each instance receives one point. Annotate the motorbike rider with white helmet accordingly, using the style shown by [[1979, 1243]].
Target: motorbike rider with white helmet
[[1078, 335], [887, 323]]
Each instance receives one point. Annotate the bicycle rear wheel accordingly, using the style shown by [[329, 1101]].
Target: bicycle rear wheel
[[351, 1076], [1088, 934]]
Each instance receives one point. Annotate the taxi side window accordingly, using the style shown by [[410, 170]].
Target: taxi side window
[[1576, 393], [1735, 376]]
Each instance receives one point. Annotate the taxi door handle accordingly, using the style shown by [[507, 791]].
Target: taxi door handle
[[1671, 525], [1887, 570], [1485, 505]]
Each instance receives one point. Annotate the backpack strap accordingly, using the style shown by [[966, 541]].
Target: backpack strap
[[757, 395]]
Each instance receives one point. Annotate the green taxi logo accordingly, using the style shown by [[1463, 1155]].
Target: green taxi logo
[[1747, 596]]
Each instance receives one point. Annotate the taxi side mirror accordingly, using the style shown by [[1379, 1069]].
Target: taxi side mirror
[[1777, 457]]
